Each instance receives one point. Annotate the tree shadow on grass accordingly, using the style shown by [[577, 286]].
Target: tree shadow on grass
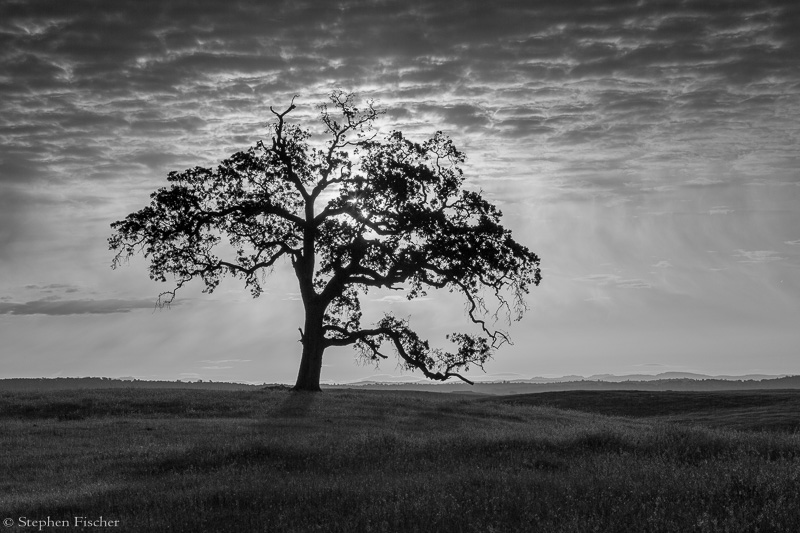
[[297, 404]]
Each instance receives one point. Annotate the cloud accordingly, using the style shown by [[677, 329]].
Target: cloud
[[663, 264], [793, 243], [66, 288], [758, 256], [705, 182], [397, 298], [59, 307], [613, 280], [138, 91], [720, 210]]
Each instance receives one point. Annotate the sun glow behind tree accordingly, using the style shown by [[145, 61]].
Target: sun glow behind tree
[[397, 218]]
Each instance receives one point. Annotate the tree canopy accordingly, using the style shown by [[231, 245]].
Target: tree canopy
[[352, 214]]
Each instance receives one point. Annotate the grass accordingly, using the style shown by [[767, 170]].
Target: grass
[[762, 410], [177, 460]]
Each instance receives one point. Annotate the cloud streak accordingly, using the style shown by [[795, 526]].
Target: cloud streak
[[615, 281], [59, 307], [758, 256]]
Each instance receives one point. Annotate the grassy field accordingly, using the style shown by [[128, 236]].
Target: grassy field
[[769, 410], [271, 460]]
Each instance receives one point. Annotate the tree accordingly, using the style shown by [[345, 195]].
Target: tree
[[396, 217]]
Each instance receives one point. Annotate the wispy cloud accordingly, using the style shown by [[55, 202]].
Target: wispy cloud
[[640, 82], [54, 288], [615, 281], [397, 298], [758, 256], [48, 306], [720, 210], [705, 182]]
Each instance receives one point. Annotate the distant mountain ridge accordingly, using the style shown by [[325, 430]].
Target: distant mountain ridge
[[698, 382], [611, 378], [682, 375], [678, 381]]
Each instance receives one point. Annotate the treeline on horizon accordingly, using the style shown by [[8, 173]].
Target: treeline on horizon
[[507, 387]]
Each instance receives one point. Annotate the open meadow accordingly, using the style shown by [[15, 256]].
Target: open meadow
[[360, 461]]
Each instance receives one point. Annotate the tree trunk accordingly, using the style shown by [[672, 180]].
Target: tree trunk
[[313, 346]]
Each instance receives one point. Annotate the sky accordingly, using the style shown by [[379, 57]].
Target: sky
[[647, 151]]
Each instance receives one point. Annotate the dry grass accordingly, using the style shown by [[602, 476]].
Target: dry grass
[[377, 461]]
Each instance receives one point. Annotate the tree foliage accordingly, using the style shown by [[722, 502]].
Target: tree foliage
[[350, 215]]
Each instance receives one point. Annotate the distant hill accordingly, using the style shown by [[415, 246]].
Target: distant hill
[[653, 383], [676, 382], [680, 375], [41, 384]]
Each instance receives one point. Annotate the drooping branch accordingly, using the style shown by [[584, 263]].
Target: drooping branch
[[416, 353]]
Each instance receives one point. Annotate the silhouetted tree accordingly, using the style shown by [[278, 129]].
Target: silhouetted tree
[[396, 218]]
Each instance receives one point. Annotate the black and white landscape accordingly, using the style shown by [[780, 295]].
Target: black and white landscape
[[643, 153]]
